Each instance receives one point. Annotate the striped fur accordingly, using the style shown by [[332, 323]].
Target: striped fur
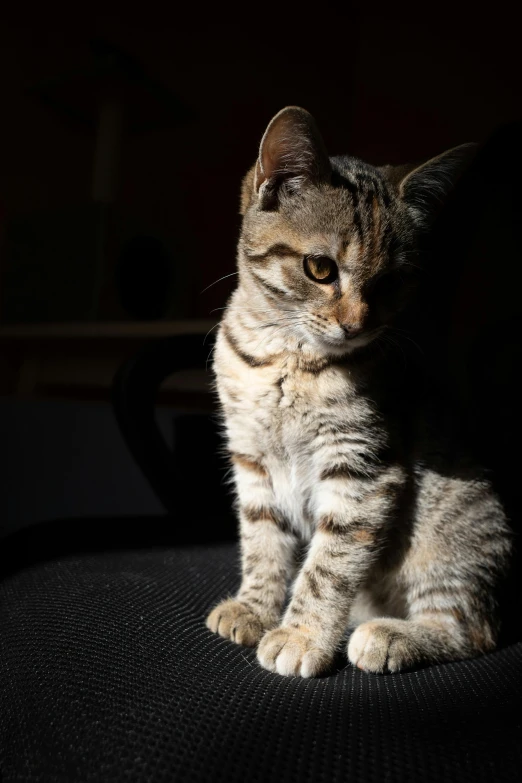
[[404, 539]]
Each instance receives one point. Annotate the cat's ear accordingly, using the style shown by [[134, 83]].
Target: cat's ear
[[291, 154], [426, 187]]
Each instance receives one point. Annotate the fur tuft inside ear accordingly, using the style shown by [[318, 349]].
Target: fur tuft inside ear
[[291, 154]]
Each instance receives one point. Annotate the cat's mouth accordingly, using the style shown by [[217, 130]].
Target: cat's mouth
[[341, 344]]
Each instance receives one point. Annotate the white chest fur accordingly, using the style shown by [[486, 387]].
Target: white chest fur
[[274, 414]]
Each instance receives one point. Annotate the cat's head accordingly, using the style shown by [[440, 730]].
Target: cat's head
[[330, 243]]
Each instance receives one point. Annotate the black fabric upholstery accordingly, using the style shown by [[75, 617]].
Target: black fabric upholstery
[[109, 674]]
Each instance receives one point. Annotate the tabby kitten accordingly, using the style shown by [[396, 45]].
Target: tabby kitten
[[352, 483]]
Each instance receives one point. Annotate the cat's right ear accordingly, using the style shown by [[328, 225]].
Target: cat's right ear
[[426, 187], [291, 154]]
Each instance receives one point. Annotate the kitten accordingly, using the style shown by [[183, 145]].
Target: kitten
[[342, 458]]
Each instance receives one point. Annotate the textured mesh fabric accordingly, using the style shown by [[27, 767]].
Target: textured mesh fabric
[[109, 674]]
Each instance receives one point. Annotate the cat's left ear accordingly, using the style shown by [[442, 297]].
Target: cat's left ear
[[291, 154], [425, 188]]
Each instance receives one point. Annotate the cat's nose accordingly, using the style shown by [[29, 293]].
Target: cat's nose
[[351, 330]]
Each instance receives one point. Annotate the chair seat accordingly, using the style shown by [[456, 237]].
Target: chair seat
[[108, 673]]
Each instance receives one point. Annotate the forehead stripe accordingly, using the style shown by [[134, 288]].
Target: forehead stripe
[[353, 190], [278, 250]]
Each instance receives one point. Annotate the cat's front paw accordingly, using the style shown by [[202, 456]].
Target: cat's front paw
[[233, 620], [290, 651], [381, 646]]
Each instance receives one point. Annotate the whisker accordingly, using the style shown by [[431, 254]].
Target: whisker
[[208, 357], [281, 321], [378, 343], [210, 330], [277, 330], [389, 341], [404, 333], [410, 263], [218, 281]]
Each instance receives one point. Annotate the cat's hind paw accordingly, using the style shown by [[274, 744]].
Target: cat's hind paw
[[381, 646], [233, 620], [289, 651]]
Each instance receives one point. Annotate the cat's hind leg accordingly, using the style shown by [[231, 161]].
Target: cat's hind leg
[[448, 579], [388, 636], [440, 616], [388, 644]]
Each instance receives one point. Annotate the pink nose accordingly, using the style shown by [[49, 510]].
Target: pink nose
[[351, 330]]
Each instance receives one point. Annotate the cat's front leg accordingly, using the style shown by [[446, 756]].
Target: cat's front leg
[[267, 553], [351, 520]]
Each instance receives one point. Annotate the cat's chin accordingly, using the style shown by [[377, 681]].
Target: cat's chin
[[345, 347]]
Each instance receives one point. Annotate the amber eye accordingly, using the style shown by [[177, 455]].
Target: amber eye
[[321, 269]]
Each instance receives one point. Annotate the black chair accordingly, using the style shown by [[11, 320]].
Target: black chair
[[108, 673]]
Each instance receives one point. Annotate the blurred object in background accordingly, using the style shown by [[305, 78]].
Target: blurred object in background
[[397, 87], [80, 262], [50, 266]]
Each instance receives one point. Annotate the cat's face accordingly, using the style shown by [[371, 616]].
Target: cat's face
[[328, 245], [333, 263]]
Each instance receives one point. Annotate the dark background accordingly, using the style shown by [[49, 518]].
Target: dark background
[[386, 84]]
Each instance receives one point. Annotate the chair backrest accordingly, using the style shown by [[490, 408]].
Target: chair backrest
[[190, 479]]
